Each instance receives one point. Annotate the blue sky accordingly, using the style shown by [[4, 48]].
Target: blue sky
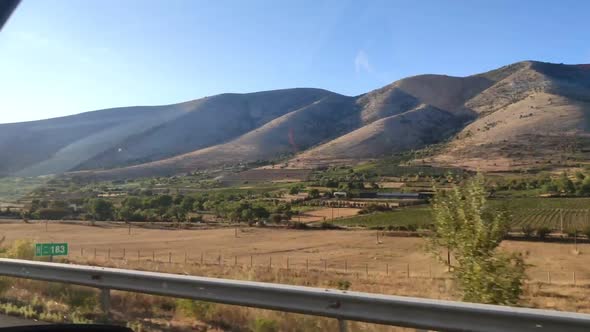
[[63, 57]]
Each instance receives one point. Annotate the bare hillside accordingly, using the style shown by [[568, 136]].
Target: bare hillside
[[511, 117], [120, 137]]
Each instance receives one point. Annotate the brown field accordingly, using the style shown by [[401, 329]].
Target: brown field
[[391, 185], [326, 214], [359, 250], [270, 175], [313, 258]]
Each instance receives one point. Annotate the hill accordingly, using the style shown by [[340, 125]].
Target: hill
[[517, 116]]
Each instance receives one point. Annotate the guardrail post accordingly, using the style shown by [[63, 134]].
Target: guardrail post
[[342, 325], [105, 301]]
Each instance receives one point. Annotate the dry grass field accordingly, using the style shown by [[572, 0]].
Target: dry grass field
[[355, 251], [315, 258], [326, 214]]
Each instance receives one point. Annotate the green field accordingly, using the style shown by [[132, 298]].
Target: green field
[[555, 219], [531, 212], [417, 216]]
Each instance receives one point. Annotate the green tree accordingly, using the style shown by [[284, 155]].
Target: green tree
[[294, 190], [133, 203], [314, 193], [178, 213], [564, 184], [465, 225], [101, 209], [188, 203], [585, 187]]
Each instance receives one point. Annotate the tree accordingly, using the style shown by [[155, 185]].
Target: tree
[[294, 190], [101, 209], [585, 187], [178, 213], [314, 193], [133, 203], [188, 203], [564, 184], [465, 225]]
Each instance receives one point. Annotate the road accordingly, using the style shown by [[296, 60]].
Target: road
[[8, 321]]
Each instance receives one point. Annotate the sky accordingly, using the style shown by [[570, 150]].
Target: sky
[[61, 57]]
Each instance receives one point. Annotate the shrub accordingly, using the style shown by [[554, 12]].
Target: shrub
[[298, 225], [527, 231], [328, 225], [21, 249], [542, 232], [79, 298], [264, 325], [196, 219], [195, 309]]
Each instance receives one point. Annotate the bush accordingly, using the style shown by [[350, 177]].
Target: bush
[[21, 249], [196, 219], [264, 325], [298, 225], [527, 231], [542, 232], [195, 309], [328, 225], [80, 298]]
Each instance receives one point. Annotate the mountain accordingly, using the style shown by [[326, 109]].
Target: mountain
[[517, 116]]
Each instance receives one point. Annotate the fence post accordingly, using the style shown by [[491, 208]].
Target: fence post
[[105, 301], [549, 277], [251, 261], [138, 255], [235, 260], [270, 263], [201, 258], [123, 252], [153, 255], [307, 264], [94, 253], [386, 269], [82, 252], [109, 253], [574, 276], [408, 270], [169, 257], [287, 263], [342, 326], [345, 266], [430, 271], [185, 257], [367, 269]]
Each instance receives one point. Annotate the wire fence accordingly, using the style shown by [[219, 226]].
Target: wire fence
[[340, 266]]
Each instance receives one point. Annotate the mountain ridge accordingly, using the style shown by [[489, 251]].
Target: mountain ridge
[[316, 126]]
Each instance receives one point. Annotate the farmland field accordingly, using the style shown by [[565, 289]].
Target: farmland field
[[555, 219], [417, 216], [261, 246]]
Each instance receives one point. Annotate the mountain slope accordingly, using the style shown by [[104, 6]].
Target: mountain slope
[[119, 137], [514, 116]]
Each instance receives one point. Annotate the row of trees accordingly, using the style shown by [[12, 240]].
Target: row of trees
[[578, 184], [163, 208]]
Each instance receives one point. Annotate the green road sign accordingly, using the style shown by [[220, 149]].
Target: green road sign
[[51, 249]]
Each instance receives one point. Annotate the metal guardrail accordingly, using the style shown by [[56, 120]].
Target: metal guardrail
[[342, 305]]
